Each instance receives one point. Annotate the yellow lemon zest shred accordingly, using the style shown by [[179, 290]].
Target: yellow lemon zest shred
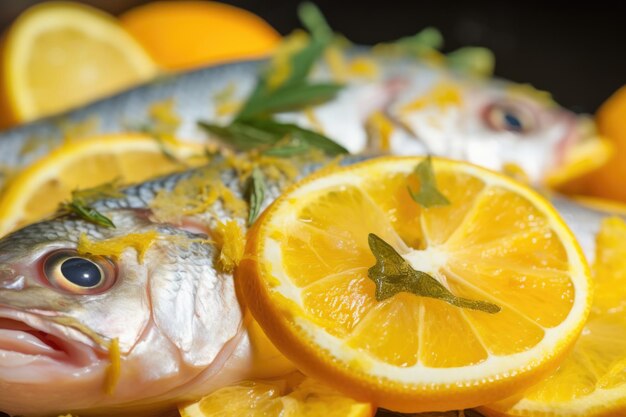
[[530, 92], [309, 113], [114, 247], [442, 95], [281, 60], [230, 240], [164, 112], [516, 172], [364, 67], [336, 64], [379, 129], [72, 131], [226, 94], [113, 370], [227, 108], [196, 195]]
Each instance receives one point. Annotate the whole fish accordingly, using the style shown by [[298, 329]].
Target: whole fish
[[167, 301]]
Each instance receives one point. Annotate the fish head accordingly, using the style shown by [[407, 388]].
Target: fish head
[[91, 331], [499, 125]]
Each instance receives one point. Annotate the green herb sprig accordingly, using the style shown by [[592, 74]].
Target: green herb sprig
[[255, 194], [80, 204], [253, 126], [393, 274], [428, 194]]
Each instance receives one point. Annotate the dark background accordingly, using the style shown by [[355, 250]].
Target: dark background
[[575, 50]]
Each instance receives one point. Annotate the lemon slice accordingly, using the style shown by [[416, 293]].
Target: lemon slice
[[306, 278], [37, 191], [293, 397], [592, 380], [59, 55]]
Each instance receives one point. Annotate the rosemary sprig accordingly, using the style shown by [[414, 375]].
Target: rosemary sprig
[[254, 128]]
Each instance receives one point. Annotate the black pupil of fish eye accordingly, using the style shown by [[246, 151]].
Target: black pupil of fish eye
[[81, 272], [513, 122]]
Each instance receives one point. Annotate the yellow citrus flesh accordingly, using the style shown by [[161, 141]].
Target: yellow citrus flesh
[[187, 34], [292, 397], [305, 278], [60, 55], [37, 191], [591, 382]]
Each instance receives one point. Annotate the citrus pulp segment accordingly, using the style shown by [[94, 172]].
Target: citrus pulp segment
[[293, 396], [591, 382], [307, 277]]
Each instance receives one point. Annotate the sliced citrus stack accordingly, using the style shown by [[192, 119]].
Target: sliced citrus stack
[[37, 191], [296, 396], [415, 308], [592, 380], [58, 55], [187, 34]]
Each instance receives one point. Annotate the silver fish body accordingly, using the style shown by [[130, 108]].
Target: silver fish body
[[434, 110]]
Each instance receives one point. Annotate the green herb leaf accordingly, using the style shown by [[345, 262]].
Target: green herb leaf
[[425, 41], [242, 135], [473, 60], [109, 189], [292, 97], [267, 133], [428, 195], [253, 128], [289, 130], [292, 148], [314, 21], [85, 212], [255, 193], [393, 274]]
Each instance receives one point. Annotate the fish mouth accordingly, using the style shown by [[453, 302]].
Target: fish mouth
[[580, 152], [29, 340]]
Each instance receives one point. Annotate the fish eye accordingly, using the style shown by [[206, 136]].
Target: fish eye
[[509, 117], [71, 272]]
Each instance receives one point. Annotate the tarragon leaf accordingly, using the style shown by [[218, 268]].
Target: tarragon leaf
[[266, 134], [393, 274], [109, 189], [293, 97], [242, 135], [428, 39], [314, 21], [255, 193], [428, 194], [291, 148], [80, 209], [311, 138], [253, 127], [473, 60]]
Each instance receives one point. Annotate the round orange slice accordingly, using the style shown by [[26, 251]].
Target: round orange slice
[[417, 286]]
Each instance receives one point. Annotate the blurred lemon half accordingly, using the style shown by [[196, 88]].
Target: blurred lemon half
[[37, 191], [60, 55]]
